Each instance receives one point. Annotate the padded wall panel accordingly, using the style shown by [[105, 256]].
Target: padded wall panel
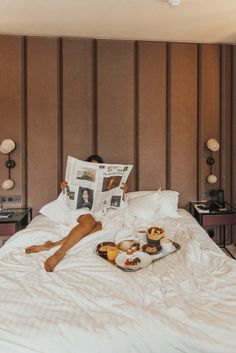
[[110, 97], [233, 160], [226, 121], [152, 115], [183, 121], [233, 134], [209, 112], [43, 120], [115, 102], [11, 109], [77, 98]]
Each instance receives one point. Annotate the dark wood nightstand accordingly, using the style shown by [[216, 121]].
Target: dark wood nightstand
[[226, 217], [19, 219]]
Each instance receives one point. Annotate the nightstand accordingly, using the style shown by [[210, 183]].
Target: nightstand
[[224, 218], [19, 219]]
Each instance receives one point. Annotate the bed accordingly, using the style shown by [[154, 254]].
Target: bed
[[185, 302]]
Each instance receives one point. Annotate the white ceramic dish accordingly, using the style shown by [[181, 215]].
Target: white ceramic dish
[[145, 260], [169, 248], [126, 244]]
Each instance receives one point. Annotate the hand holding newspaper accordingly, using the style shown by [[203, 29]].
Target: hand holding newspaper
[[94, 185]]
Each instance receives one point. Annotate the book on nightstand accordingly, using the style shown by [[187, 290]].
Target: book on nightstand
[[201, 208], [4, 214]]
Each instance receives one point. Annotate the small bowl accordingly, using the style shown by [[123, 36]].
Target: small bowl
[[103, 247], [151, 249], [154, 235]]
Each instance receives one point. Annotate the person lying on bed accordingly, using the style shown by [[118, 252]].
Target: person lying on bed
[[87, 224]]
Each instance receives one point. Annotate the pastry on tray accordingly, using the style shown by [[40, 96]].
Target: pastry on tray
[[124, 245], [103, 247]]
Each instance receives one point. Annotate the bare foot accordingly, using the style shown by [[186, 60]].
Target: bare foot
[[53, 260], [36, 248]]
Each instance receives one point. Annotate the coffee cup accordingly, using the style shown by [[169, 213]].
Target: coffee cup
[[166, 245]]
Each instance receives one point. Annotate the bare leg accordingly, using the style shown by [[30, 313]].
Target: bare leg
[[87, 225], [46, 246], [51, 244]]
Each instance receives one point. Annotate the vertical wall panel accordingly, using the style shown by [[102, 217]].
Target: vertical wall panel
[[209, 112], [226, 120], [233, 160], [77, 98], [183, 121], [152, 115], [105, 96], [226, 126], [115, 99], [43, 120], [233, 134], [11, 108]]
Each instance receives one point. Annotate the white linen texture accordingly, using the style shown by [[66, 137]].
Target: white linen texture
[[182, 303]]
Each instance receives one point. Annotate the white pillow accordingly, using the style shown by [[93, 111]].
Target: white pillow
[[144, 207], [168, 204], [134, 194], [152, 205], [56, 210]]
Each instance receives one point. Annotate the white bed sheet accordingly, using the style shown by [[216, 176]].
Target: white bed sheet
[[185, 302]]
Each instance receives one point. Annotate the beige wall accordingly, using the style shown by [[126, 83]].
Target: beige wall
[[152, 104]]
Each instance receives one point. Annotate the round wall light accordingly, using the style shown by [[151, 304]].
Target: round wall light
[[175, 2]]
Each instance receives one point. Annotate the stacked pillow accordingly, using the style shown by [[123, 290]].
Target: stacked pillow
[[134, 194], [149, 205], [56, 210]]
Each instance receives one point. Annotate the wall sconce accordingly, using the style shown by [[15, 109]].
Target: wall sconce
[[6, 147], [174, 2], [214, 146]]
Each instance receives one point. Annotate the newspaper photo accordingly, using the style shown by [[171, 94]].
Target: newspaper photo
[[94, 185]]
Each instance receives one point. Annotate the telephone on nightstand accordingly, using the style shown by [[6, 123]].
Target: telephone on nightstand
[[219, 205], [221, 197], [215, 206], [212, 206]]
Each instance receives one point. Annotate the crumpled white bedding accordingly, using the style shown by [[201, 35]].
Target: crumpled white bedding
[[185, 302]]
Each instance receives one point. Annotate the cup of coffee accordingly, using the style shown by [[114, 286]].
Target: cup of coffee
[[166, 245]]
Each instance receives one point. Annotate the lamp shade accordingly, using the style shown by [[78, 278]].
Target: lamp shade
[[8, 184], [211, 179], [7, 146], [175, 2], [213, 145]]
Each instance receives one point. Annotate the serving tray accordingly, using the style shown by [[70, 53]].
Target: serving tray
[[155, 258]]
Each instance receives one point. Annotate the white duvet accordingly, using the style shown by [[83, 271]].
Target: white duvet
[[185, 302]]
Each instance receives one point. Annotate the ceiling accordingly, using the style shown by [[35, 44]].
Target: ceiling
[[204, 21]]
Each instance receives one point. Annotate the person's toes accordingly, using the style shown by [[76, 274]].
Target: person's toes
[[31, 249]]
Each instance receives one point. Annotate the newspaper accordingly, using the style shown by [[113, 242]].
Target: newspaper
[[94, 185]]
